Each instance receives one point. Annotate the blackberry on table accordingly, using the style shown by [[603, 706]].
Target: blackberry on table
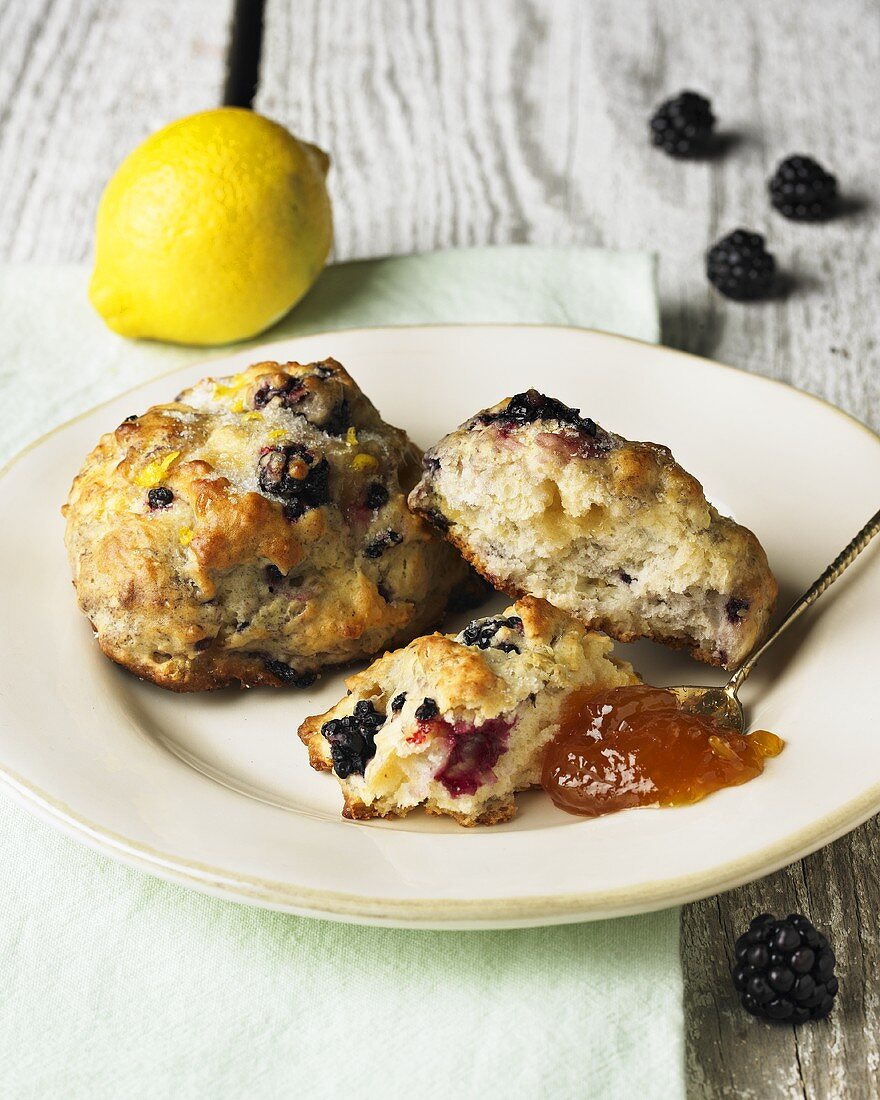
[[740, 267], [682, 126], [802, 190], [785, 970]]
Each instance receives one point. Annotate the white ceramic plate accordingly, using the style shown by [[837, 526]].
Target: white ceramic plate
[[214, 790]]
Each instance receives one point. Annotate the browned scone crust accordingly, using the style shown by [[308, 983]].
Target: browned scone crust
[[546, 502], [504, 677], [277, 540]]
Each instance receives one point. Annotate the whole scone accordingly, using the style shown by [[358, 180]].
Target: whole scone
[[255, 530], [459, 723], [544, 501]]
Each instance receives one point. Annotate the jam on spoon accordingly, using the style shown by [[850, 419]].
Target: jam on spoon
[[635, 746]]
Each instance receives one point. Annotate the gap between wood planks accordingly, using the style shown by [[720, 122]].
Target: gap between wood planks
[[243, 58]]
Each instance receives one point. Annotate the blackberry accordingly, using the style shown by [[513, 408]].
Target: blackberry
[[740, 267], [802, 190], [339, 420], [377, 495], [290, 393], [785, 970], [682, 126], [159, 498], [288, 675], [437, 518], [481, 633], [381, 543], [427, 710], [397, 703], [290, 472], [526, 408], [273, 574], [353, 739], [733, 607]]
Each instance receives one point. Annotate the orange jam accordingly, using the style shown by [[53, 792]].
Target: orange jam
[[634, 746]]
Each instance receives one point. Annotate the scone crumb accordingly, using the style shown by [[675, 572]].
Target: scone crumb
[[185, 536]]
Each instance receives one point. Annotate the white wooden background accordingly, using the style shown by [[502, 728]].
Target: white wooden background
[[456, 122]]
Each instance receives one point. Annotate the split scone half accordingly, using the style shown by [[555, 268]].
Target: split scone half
[[544, 501], [459, 723], [256, 530]]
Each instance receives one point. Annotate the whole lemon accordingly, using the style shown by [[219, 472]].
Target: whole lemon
[[211, 230]]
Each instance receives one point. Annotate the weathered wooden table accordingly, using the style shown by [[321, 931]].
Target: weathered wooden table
[[458, 122]]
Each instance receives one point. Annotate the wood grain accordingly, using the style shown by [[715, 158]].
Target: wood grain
[[456, 123], [81, 83]]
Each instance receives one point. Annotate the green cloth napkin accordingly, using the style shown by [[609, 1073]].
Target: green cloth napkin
[[115, 984]]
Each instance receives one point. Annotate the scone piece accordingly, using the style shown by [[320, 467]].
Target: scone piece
[[255, 530], [458, 723], [544, 501]]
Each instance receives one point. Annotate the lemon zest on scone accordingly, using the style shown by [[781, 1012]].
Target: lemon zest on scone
[[155, 471]]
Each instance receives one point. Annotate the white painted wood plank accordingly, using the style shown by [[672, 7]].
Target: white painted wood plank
[[456, 123], [81, 83]]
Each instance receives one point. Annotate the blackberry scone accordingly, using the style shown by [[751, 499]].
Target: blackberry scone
[[544, 501], [459, 723], [255, 530]]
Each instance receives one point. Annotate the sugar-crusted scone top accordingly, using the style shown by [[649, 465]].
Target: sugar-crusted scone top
[[458, 723], [544, 501], [255, 529]]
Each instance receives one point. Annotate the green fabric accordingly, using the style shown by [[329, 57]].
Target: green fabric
[[115, 984]]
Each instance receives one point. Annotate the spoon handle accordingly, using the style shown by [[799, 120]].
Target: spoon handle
[[843, 560]]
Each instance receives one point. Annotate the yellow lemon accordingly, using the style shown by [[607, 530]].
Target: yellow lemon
[[211, 230]]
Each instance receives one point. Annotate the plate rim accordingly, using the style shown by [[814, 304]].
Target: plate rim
[[426, 912]]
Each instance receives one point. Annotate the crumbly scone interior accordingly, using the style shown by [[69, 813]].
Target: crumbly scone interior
[[615, 533], [458, 724]]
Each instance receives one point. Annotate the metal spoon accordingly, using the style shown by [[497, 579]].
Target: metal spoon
[[721, 703]]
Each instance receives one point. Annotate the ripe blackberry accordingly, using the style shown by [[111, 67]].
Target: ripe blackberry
[[785, 970], [353, 739], [481, 633], [740, 267], [802, 190], [682, 126]]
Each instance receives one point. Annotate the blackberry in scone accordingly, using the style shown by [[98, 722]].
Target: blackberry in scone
[[255, 530], [459, 723], [544, 501]]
